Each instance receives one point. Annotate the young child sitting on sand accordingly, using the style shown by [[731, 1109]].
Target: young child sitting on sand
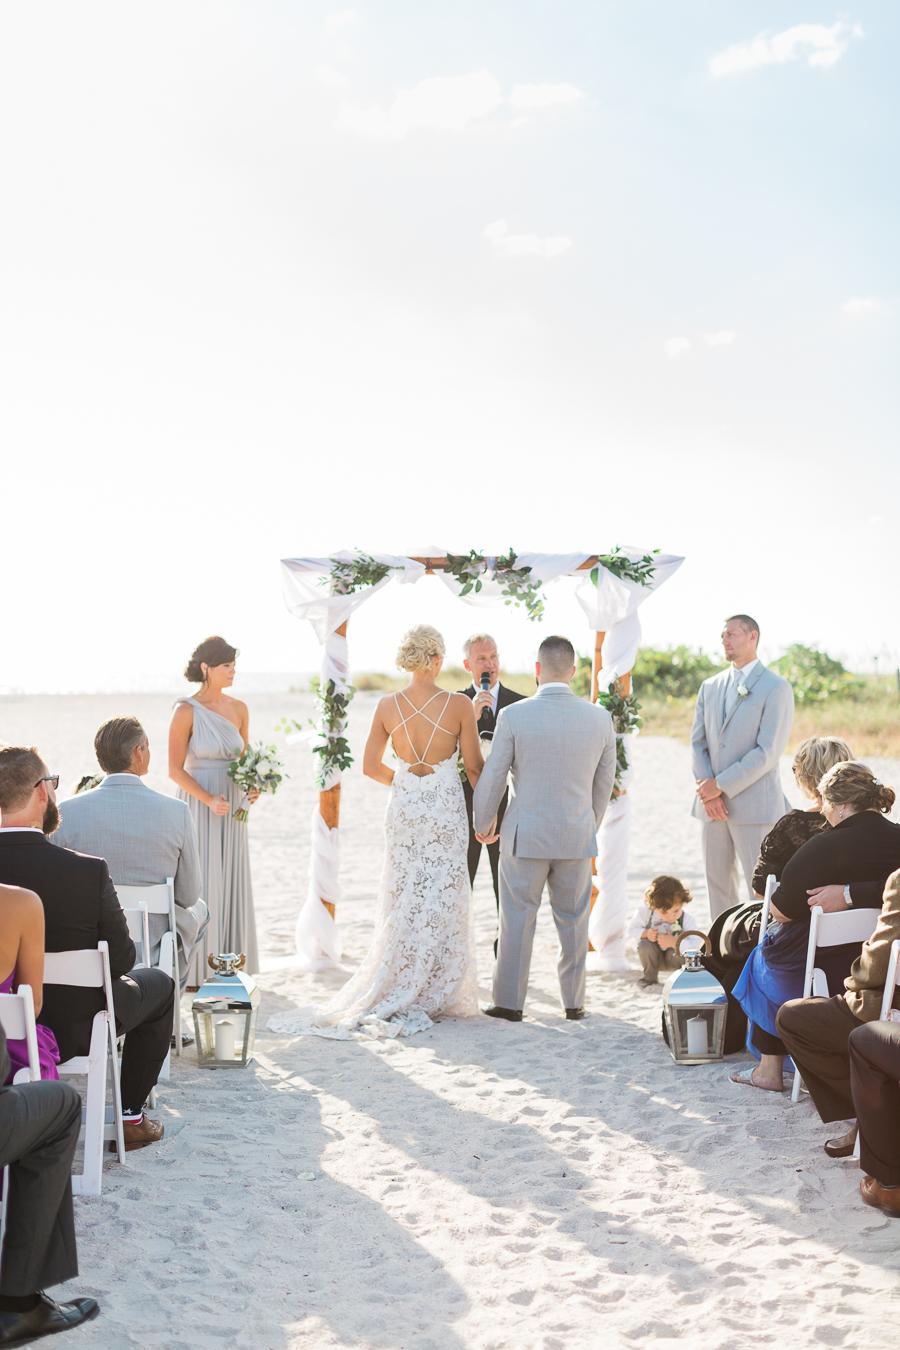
[[657, 925]]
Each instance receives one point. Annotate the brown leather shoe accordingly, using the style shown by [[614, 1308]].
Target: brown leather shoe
[[143, 1132], [887, 1199]]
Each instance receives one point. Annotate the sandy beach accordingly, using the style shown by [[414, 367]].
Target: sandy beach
[[483, 1185]]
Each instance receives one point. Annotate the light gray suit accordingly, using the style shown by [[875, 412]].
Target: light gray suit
[[741, 749], [145, 837], [561, 753]]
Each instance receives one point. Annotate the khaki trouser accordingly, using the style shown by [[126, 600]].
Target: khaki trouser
[[729, 849]]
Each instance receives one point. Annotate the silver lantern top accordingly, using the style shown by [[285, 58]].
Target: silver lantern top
[[227, 986], [693, 986]]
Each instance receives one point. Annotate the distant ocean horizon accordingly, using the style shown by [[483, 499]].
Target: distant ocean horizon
[[247, 682]]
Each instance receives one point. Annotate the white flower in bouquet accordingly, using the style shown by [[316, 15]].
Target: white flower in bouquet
[[258, 769]]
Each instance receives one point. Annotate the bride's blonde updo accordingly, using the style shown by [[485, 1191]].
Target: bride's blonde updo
[[419, 647]]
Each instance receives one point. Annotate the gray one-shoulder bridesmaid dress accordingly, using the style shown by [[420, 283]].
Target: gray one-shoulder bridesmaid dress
[[224, 852]]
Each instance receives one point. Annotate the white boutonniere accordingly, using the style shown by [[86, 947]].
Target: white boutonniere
[[743, 691]]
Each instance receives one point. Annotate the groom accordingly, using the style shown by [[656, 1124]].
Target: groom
[[561, 753]]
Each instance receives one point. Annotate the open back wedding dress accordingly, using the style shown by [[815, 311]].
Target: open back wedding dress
[[422, 961]]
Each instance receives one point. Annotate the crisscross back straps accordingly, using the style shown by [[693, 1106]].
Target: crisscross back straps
[[420, 712]]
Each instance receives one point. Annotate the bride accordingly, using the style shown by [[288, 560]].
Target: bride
[[422, 961]]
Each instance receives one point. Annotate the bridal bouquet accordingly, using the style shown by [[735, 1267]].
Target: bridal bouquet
[[257, 767]]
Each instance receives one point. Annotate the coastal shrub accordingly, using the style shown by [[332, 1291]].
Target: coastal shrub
[[815, 676], [661, 673]]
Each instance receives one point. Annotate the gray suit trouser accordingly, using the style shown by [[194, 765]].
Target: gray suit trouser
[[522, 882], [39, 1125], [727, 849]]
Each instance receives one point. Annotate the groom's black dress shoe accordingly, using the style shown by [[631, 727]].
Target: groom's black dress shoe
[[508, 1014], [45, 1319], [575, 1014]]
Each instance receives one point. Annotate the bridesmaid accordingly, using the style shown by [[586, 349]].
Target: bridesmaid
[[207, 732]]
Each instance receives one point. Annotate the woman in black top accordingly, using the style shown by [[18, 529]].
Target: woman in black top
[[860, 847], [812, 761]]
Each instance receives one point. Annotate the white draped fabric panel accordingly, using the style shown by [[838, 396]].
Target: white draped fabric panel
[[610, 606], [609, 917]]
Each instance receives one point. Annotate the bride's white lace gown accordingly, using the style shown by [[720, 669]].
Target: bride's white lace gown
[[422, 961]]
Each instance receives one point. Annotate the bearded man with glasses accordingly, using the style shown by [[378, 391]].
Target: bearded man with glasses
[[81, 908]]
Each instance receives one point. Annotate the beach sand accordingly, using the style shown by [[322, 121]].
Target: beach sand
[[486, 1185]]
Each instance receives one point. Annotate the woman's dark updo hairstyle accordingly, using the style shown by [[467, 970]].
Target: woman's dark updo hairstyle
[[213, 651]]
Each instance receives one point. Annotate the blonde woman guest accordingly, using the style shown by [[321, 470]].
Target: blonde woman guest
[[422, 962], [207, 731], [812, 761], [859, 846]]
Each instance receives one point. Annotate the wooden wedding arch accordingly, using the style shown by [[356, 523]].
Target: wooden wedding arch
[[326, 590]]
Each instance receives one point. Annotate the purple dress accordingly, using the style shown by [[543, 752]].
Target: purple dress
[[48, 1050]]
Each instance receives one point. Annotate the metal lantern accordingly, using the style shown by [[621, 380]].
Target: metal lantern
[[225, 1009], [694, 1009]]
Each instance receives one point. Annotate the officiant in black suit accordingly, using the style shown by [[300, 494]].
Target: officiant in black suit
[[489, 697]]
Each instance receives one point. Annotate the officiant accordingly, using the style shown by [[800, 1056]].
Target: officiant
[[489, 698]]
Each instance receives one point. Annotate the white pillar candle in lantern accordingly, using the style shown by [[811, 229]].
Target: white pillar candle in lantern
[[226, 1039], [697, 1039]]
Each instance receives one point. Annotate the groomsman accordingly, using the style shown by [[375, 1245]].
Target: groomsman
[[489, 697], [741, 728]]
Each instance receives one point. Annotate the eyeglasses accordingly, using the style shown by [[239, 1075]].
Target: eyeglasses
[[51, 778]]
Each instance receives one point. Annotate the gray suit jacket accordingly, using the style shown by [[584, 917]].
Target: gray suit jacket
[[561, 752], [145, 837], [742, 751]]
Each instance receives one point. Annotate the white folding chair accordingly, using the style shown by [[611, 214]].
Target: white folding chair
[[771, 888], [89, 969], [830, 930], [138, 921], [17, 1021], [160, 899], [891, 980]]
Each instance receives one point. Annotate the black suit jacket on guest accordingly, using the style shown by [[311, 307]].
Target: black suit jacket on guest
[[81, 908]]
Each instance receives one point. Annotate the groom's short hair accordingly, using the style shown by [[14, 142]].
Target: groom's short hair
[[744, 619], [556, 655]]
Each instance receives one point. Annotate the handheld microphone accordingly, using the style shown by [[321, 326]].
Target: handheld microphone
[[485, 681]]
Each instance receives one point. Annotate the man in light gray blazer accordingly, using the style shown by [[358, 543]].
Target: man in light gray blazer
[[561, 753], [145, 836], [741, 728]]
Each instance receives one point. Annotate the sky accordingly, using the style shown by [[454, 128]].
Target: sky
[[282, 278]]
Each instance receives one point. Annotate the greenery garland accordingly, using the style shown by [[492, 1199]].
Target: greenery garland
[[625, 712], [349, 575], [641, 572], [330, 725], [517, 585]]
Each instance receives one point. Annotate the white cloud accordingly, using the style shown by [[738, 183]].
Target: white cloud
[[722, 337], [862, 304], [527, 97], [452, 103], [446, 103], [815, 43], [677, 346], [525, 245], [331, 78]]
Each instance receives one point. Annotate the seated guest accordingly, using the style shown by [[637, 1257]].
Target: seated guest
[[817, 1031], [860, 846], [811, 762], [874, 1074], [22, 954], [144, 836], [39, 1125], [81, 909]]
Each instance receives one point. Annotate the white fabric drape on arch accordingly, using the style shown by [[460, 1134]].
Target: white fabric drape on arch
[[610, 605]]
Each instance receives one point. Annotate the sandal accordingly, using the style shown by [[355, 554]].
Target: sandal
[[744, 1077]]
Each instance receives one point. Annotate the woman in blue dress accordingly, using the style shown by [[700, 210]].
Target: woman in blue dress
[[860, 847]]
